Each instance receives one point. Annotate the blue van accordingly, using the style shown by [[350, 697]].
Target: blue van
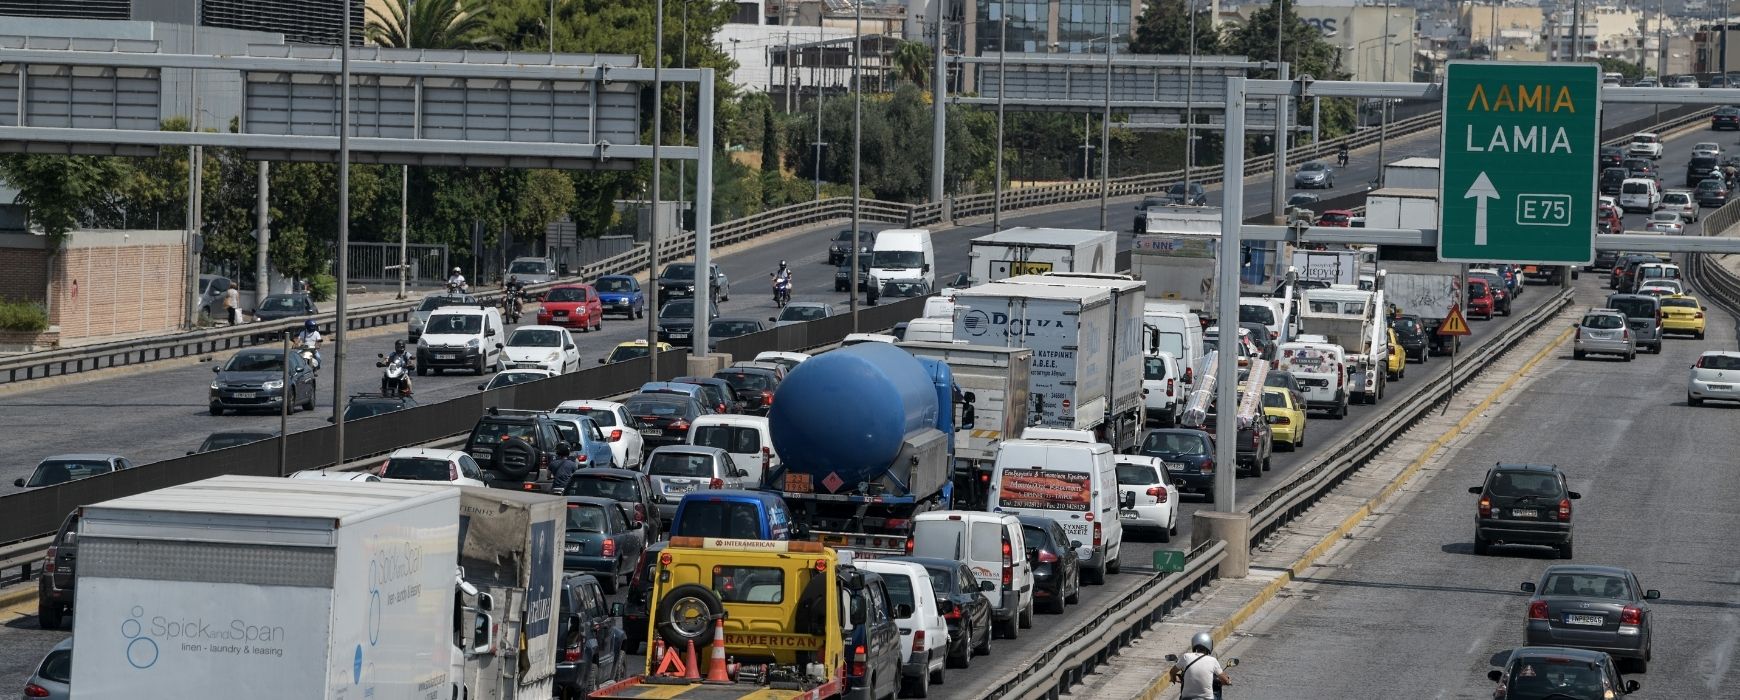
[[732, 514]]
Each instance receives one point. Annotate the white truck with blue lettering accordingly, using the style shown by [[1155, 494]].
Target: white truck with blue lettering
[[1082, 377]]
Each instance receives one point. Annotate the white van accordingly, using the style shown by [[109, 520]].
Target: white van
[[933, 330], [1639, 194], [1321, 368], [991, 544], [904, 253], [745, 438], [461, 337], [1173, 328], [1270, 312], [1073, 483], [1162, 389], [924, 634]]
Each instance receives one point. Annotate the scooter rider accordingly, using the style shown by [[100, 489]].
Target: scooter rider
[[1341, 155], [1199, 675], [410, 361], [782, 279], [456, 281], [310, 338]]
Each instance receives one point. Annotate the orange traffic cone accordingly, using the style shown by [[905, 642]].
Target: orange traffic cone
[[716, 671], [692, 670]]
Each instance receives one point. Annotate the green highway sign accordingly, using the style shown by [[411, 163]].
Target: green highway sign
[[1517, 176]]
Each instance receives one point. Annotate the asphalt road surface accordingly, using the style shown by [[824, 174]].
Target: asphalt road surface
[[158, 414]]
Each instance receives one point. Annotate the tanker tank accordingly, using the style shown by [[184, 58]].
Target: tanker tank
[[846, 414]]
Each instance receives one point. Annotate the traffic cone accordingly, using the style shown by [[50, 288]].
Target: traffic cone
[[692, 668], [716, 672]]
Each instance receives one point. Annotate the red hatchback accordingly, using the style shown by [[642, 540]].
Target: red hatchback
[[573, 306], [1336, 217], [1480, 301]]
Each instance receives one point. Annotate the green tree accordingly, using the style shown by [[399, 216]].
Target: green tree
[[1164, 28], [769, 143], [432, 24], [59, 190], [1631, 71], [912, 62]]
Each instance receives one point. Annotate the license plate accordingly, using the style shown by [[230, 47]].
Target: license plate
[[651, 431], [679, 335], [1720, 387], [571, 547], [244, 394], [1585, 620], [679, 488], [1173, 466], [1524, 514], [446, 356], [1127, 514]]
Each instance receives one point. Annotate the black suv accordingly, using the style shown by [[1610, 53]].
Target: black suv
[[841, 247], [754, 387], [514, 448], [1525, 504], [591, 638], [1411, 333], [677, 321], [1612, 179], [54, 589], [1700, 167], [1256, 444], [1725, 118], [678, 281]]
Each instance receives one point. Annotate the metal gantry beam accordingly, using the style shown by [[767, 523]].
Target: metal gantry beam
[[1428, 238]]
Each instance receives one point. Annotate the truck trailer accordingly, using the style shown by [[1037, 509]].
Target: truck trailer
[[267, 588], [993, 384], [1033, 251], [1175, 257]]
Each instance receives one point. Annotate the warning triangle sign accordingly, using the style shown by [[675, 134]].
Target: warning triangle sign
[[1453, 323]]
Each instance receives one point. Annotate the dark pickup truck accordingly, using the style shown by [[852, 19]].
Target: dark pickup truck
[[1255, 445]]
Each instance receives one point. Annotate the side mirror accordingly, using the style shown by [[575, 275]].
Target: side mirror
[[1574, 495], [771, 319], [903, 611], [1172, 657], [489, 332], [482, 634], [636, 524], [1631, 687], [569, 346], [498, 346], [984, 586], [329, 419], [482, 386], [1234, 661], [1494, 675], [601, 360], [217, 368], [380, 355], [1129, 499], [1652, 594], [1476, 490], [18, 483], [740, 473], [1528, 587], [189, 452]]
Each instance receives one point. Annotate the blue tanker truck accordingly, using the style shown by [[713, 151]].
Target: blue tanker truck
[[866, 438]]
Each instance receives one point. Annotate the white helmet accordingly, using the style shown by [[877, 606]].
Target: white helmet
[[456, 271], [1203, 641]]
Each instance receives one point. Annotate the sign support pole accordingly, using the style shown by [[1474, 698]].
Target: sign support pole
[[1232, 216]]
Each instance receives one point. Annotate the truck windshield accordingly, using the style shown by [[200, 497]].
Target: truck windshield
[[1256, 313], [938, 538], [896, 258]]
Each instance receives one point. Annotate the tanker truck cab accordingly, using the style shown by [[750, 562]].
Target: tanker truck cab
[[783, 609], [731, 514], [1073, 483], [993, 547], [904, 253]]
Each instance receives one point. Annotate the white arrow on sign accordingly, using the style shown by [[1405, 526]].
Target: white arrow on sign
[[1481, 188]]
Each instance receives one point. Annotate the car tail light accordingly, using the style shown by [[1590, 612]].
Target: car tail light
[[32, 690], [1631, 615], [1340, 379], [716, 484], [909, 546], [918, 641], [858, 654], [1485, 507], [1207, 467], [719, 407], [581, 458], [609, 547], [571, 655], [1169, 382], [1008, 563], [1625, 333], [1538, 610], [1190, 374], [953, 614], [48, 560], [1255, 443], [615, 435], [1564, 510], [1158, 492], [682, 425], [544, 460], [766, 458], [452, 472], [1096, 535], [1047, 557], [766, 398], [1698, 314]]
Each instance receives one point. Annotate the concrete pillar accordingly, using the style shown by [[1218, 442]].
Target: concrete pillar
[[1234, 529], [706, 364]]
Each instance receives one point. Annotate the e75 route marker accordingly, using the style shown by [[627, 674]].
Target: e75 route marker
[[1517, 176]]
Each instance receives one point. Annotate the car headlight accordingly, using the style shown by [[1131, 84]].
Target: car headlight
[[273, 385], [422, 342], [417, 323], [215, 386], [552, 357], [474, 343]]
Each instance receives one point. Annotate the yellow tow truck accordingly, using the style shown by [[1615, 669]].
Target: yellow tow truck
[[782, 613]]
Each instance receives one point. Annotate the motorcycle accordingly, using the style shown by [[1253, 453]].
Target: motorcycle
[[781, 290], [1228, 664], [396, 380], [309, 357], [1341, 159], [458, 288], [512, 306]]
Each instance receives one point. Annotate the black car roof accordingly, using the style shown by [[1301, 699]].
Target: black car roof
[[1584, 655], [1508, 466]]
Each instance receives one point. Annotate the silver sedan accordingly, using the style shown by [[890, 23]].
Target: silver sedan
[[1603, 331], [1599, 608]]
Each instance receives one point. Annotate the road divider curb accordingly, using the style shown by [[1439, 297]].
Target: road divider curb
[[15, 595], [1304, 561]]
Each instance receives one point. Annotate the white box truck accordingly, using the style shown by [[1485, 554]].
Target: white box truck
[[1415, 173], [268, 588], [510, 548], [1402, 207], [1352, 319], [994, 381], [1033, 251], [1425, 290], [1325, 267], [1065, 327], [1176, 256], [1125, 346]]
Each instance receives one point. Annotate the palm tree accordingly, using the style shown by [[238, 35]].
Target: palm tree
[[432, 24], [912, 62]]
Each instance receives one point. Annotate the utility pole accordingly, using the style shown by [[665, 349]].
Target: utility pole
[[652, 238], [1576, 30], [405, 170], [683, 120], [1105, 128], [1190, 104], [195, 182], [1278, 189], [343, 302], [939, 90], [262, 234], [1384, 103], [818, 144], [1002, 52], [857, 152]]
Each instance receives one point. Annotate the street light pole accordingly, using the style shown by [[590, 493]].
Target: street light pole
[[1190, 104], [939, 111], [652, 238], [1002, 53], [1106, 128], [343, 303], [1384, 104], [857, 152]]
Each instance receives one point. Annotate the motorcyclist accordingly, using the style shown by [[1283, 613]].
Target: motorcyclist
[[456, 281], [516, 291], [782, 277], [310, 338], [410, 360], [1341, 155], [1199, 675]]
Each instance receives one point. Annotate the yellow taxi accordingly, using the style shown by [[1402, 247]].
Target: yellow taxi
[[1398, 364], [1682, 313], [630, 350], [1286, 417]]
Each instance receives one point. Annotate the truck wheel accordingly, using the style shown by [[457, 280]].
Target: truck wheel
[[916, 687], [1009, 629], [48, 616], [686, 613], [1097, 576]]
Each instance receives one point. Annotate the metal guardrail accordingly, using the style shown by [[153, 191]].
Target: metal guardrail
[[1706, 271]]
